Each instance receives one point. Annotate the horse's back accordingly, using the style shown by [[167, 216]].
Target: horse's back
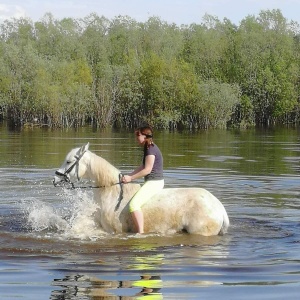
[[195, 210], [184, 195]]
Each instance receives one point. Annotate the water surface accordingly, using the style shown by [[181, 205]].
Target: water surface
[[52, 249]]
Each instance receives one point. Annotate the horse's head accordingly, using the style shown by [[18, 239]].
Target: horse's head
[[72, 169]]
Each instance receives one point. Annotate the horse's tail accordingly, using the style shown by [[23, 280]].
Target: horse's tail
[[225, 224]]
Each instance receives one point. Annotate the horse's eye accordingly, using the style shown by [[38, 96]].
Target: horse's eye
[[68, 162]]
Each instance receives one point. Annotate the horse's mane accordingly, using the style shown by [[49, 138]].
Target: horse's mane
[[103, 172]]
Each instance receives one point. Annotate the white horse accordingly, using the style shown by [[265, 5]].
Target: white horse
[[194, 210]]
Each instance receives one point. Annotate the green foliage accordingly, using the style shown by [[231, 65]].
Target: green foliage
[[268, 72], [123, 73], [215, 104]]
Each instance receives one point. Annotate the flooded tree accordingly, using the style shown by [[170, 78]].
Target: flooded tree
[[120, 72]]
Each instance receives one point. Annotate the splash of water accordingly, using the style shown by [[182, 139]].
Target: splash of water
[[41, 216], [72, 218]]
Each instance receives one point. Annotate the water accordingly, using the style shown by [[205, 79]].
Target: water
[[51, 247]]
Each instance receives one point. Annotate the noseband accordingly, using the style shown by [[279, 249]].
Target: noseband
[[68, 171]]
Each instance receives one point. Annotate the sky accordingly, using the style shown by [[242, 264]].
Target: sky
[[171, 11]]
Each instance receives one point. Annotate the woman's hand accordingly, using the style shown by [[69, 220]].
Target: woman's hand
[[126, 178]]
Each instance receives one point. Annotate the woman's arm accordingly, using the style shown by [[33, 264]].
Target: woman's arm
[[141, 171], [137, 170]]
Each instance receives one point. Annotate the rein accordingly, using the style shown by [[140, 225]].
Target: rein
[[73, 187]]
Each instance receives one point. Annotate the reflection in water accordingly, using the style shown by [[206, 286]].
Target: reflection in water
[[148, 286], [159, 269], [84, 287], [143, 262]]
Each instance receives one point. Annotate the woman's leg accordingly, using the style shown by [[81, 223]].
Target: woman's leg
[[138, 219], [149, 189]]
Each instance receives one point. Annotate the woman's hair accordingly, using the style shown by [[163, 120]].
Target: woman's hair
[[148, 132]]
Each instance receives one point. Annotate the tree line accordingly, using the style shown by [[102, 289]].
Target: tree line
[[120, 72]]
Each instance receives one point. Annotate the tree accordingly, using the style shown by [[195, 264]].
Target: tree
[[268, 72]]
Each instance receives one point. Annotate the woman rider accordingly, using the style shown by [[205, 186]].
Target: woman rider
[[152, 171]]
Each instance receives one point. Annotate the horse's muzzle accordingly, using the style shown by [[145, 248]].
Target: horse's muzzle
[[60, 178]]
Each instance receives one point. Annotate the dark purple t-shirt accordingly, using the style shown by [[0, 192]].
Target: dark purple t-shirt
[[157, 170]]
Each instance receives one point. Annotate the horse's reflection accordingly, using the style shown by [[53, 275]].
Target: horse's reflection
[[147, 286], [84, 287]]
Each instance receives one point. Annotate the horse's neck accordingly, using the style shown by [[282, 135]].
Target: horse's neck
[[102, 172]]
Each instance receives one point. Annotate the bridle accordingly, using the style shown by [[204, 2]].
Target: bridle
[[68, 171], [67, 179]]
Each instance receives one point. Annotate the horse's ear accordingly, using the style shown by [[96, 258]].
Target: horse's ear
[[84, 148]]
